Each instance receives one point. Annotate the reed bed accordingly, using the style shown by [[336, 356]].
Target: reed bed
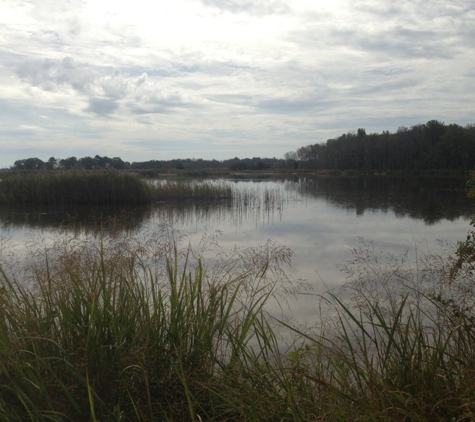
[[259, 197], [60, 188], [166, 189], [115, 328], [110, 187]]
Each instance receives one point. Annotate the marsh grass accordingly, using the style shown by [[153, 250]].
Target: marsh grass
[[398, 343], [165, 189], [126, 329], [116, 328], [62, 188], [108, 187]]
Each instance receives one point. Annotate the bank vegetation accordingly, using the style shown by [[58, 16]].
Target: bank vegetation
[[117, 328]]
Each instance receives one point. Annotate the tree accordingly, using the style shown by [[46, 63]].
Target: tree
[[51, 164], [434, 130], [29, 164], [87, 163], [68, 163], [117, 163]]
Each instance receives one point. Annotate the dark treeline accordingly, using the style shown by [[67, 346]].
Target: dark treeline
[[433, 145], [98, 162], [71, 163]]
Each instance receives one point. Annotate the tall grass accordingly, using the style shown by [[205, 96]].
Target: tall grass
[[74, 187], [108, 187], [165, 189], [399, 344], [117, 329], [121, 329]]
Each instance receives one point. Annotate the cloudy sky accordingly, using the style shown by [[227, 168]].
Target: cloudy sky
[[163, 79]]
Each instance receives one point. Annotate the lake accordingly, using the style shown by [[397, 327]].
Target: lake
[[320, 219]]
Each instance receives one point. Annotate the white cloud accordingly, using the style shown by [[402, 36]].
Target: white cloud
[[218, 79]]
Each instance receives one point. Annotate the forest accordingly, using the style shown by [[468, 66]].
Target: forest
[[433, 145], [98, 162]]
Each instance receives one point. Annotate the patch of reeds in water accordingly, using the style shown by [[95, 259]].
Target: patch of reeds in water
[[59, 188], [166, 189], [117, 329]]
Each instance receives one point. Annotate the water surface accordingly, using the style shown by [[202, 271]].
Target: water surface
[[321, 220]]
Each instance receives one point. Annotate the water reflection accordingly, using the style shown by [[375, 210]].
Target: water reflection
[[23, 218], [321, 220], [265, 201], [428, 200]]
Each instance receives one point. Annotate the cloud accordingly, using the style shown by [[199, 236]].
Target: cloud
[[102, 106], [291, 106], [398, 42], [52, 74], [236, 75], [252, 7], [102, 88], [393, 30]]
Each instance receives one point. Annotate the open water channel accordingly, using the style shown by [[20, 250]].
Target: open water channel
[[320, 220]]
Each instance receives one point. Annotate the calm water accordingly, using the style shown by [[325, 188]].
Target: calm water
[[321, 220]]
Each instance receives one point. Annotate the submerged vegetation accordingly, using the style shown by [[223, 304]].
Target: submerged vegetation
[[107, 187], [116, 328]]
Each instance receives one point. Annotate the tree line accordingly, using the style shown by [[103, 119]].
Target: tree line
[[98, 162], [433, 145], [85, 163]]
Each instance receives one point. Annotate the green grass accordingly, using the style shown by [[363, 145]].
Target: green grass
[[120, 329]]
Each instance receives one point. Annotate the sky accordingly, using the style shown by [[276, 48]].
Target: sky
[[164, 79]]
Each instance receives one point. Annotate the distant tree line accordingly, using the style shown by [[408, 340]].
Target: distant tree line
[[98, 162], [234, 164], [433, 145], [85, 163]]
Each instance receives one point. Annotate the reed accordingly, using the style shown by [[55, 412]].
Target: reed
[[110, 187], [61, 188], [121, 329], [167, 189]]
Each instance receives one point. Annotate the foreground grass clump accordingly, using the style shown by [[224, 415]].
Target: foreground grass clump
[[120, 329], [74, 187], [399, 341]]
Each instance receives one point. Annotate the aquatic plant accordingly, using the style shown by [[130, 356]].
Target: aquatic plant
[[105, 187], [62, 188]]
